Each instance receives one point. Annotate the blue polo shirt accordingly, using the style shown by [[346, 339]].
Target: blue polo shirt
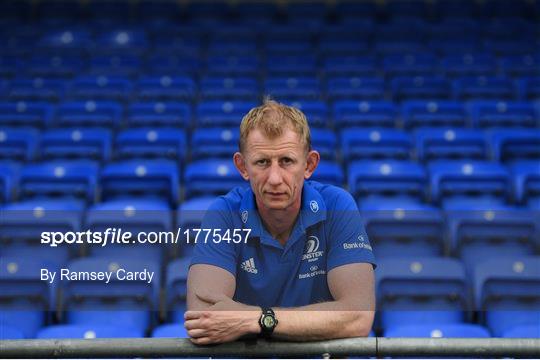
[[328, 233]]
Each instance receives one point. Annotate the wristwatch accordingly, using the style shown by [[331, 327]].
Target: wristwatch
[[267, 322]]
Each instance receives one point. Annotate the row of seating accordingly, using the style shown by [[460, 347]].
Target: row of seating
[[437, 182], [503, 292], [216, 113], [299, 88]]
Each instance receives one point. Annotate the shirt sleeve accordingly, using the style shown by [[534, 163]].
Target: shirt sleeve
[[221, 254], [348, 241]]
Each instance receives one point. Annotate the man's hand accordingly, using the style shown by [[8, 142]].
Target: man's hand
[[225, 320]]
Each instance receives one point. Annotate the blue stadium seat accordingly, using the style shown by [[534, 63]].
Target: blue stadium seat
[[468, 179], [115, 65], [387, 178], [24, 297], [10, 65], [524, 331], [421, 290], [57, 179], [520, 65], [10, 333], [166, 61], [389, 46], [171, 114], [214, 142], [118, 303], [54, 65], [330, 46], [239, 88], [360, 143], [141, 177], [505, 114], [100, 87], [37, 89], [529, 88], [483, 87], [410, 64], [23, 113], [364, 114], [151, 143], [450, 143], [329, 172], [231, 65], [63, 40], [18, 143], [160, 88], [325, 142], [88, 331], [438, 331], [292, 48], [317, 112], [420, 87], [402, 227], [507, 292], [433, 113], [89, 113], [176, 289], [292, 88], [136, 216], [211, 177], [291, 65], [469, 65], [170, 330], [514, 144], [479, 230], [75, 143], [9, 180], [189, 216], [526, 181], [126, 40], [349, 65], [357, 88], [222, 113]]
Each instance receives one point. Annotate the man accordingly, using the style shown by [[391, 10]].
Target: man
[[306, 270]]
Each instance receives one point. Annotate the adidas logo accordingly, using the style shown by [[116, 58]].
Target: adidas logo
[[249, 266]]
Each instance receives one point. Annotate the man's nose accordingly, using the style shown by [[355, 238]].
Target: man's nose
[[275, 177]]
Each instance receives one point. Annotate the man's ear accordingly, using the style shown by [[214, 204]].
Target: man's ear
[[240, 164], [313, 159]]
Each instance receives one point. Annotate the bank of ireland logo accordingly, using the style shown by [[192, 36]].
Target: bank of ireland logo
[[314, 206], [244, 216], [312, 252]]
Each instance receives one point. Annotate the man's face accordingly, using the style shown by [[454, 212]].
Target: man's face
[[276, 168]]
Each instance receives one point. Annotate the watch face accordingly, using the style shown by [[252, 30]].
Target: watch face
[[268, 321]]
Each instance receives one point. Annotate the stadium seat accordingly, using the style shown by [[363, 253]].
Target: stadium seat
[[410, 64], [230, 88], [170, 330], [176, 290], [189, 216], [358, 143], [126, 40], [529, 88], [514, 144], [156, 85], [10, 333], [57, 179], [9, 175], [507, 114], [450, 144], [88, 331], [402, 227], [23, 113], [364, 114], [330, 46], [325, 142], [344, 65], [65, 41], [329, 172], [211, 177], [151, 143], [290, 65], [222, 113], [421, 290], [420, 87], [214, 142], [507, 292], [155, 178], [121, 302], [37, 89], [165, 88], [524, 331], [387, 178], [357, 88], [233, 65], [19, 144], [89, 113], [479, 230], [438, 331], [169, 114], [469, 65], [483, 87], [432, 113], [292, 88], [468, 179], [100, 87], [135, 215], [25, 298], [55, 65], [317, 113], [526, 181], [520, 65], [76, 143]]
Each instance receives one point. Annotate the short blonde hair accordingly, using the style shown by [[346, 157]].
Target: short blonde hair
[[273, 118]]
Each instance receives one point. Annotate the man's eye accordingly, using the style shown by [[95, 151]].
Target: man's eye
[[261, 162], [286, 161]]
